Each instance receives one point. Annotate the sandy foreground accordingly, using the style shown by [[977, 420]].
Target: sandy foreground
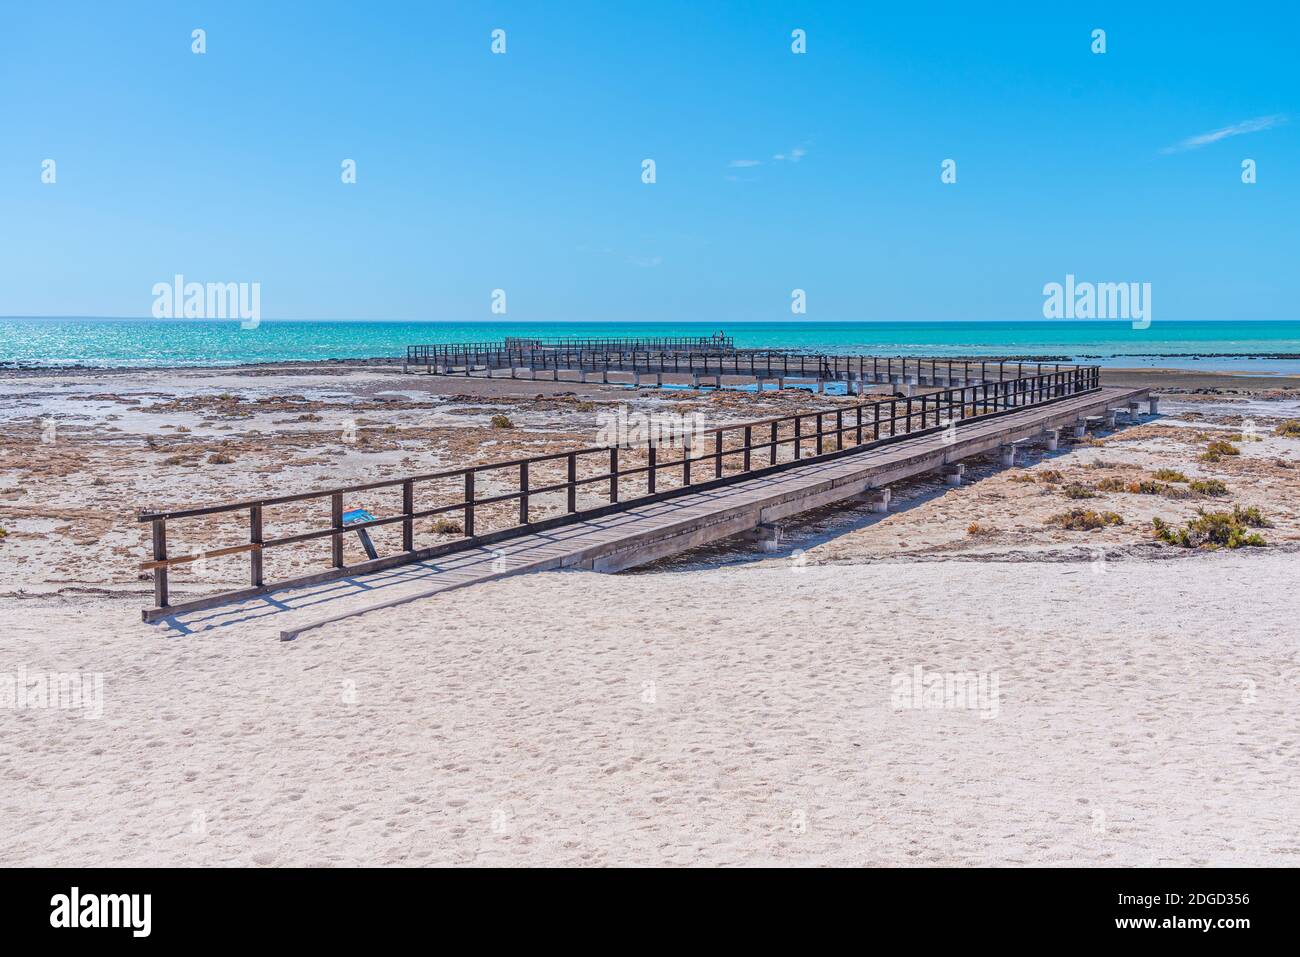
[[959, 682], [1145, 716]]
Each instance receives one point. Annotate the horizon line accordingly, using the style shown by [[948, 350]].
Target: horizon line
[[803, 321]]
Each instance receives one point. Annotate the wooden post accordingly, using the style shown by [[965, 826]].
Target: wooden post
[[717, 454], [819, 433], [523, 493], [797, 433], [336, 516], [909, 415], [859, 411], [469, 503], [774, 434], [749, 440], [686, 459], [875, 425], [573, 482], [408, 509], [160, 555], [255, 536], [613, 474], [652, 454]]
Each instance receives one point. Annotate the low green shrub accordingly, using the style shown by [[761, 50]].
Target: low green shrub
[[1214, 530], [1077, 490], [1217, 449], [1084, 520]]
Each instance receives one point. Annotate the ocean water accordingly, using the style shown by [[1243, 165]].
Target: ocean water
[[1265, 348]]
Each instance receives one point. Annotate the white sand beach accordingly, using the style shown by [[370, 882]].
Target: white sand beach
[[1144, 716]]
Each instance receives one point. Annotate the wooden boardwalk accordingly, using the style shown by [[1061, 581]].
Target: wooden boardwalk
[[644, 533]]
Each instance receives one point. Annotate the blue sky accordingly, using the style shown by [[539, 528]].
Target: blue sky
[[523, 171]]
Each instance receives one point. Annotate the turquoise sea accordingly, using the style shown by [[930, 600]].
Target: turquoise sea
[[1255, 347]]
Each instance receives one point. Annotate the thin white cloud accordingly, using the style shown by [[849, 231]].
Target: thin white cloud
[[1236, 129], [794, 156], [743, 164]]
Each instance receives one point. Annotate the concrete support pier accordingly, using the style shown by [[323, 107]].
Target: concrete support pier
[[1006, 456], [877, 499], [903, 384], [767, 536], [953, 472], [1080, 429], [1153, 405], [1053, 438]]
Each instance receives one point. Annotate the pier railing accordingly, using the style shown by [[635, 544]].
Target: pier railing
[[755, 363], [521, 495], [568, 345]]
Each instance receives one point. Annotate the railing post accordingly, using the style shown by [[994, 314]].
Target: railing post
[[819, 433], [336, 517], [572, 483], [408, 510], [255, 537], [160, 555], [652, 455], [749, 440], [469, 503], [859, 411], [523, 493], [686, 459], [613, 474], [909, 417], [775, 426], [717, 454], [798, 432]]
